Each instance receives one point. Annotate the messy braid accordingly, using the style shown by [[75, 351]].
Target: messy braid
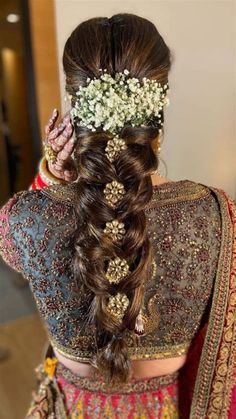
[[123, 41]]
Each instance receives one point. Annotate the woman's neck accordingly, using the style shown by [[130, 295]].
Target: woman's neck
[[158, 180]]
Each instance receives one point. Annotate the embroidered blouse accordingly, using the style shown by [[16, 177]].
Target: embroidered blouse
[[184, 224]]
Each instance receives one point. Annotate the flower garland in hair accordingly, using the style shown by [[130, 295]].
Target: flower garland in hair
[[110, 102]]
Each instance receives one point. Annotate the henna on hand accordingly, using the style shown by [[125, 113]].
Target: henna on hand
[[61, 140]]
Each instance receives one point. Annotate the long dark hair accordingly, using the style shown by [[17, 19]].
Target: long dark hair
[[124, 41]]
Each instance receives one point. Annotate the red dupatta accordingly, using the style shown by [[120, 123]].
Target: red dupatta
[[208, 379]]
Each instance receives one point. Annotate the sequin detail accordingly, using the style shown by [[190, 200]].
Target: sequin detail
[[143, 398], [68, 396], [184, 226]]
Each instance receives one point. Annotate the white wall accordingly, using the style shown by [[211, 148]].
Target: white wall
[[200, 123]]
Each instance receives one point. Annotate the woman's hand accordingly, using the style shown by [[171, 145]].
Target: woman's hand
[[61, 140]]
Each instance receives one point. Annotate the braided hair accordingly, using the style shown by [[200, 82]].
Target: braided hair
[[113, 242]]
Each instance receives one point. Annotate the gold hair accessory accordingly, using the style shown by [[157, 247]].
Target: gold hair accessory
[[140, 319], [49, 153], [156, 143], [113, 192], [117, 269], [115, 230], [139, 323], [118, 304], [114, 147]]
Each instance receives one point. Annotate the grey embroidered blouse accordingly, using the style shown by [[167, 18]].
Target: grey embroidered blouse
[[36, 238]]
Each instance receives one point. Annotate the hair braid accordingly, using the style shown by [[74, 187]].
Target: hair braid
[[92, 45], [95, 248]]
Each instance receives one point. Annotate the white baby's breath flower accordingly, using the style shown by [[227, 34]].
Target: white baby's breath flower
[[109, 102]]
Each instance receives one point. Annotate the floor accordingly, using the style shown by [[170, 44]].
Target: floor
[[22, 342], [15, 296]]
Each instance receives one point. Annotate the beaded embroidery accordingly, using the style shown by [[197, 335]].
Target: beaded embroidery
[[184, 226]]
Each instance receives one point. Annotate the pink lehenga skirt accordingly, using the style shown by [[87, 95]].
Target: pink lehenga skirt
[[62, 394]]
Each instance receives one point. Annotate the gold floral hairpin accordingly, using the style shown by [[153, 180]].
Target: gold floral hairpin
[[115, 230], [117, 305], [114, 191], [117, 270], [114, 147]]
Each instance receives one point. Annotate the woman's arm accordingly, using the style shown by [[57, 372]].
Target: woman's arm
[[8, 251], [60, 171], [61, 143], [44, 177]]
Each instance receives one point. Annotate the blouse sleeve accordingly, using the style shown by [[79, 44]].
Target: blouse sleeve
[[19, 225], [8, 250], [33, 231]]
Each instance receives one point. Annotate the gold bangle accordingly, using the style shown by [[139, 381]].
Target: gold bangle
[[46, 175]]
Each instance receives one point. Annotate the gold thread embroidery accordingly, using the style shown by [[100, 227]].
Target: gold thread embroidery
[[144, 323], [225, 377], [184, 197], [216, 319], [62, 193], [71, 196], [96, 382], [181, 191], [151, 320], [135, 353]]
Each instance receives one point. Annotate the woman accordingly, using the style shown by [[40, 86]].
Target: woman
[[133, 275]]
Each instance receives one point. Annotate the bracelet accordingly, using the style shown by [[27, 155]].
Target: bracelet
[[46, 176], [49, 153]]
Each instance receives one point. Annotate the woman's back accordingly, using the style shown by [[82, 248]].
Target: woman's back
[[123, 272], [184, 226]]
